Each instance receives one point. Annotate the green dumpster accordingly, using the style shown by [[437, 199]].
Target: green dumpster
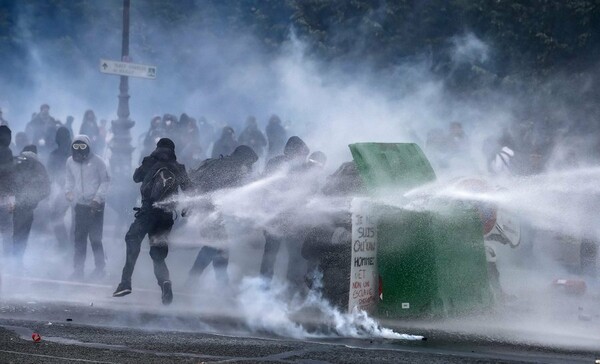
[[431, 259]]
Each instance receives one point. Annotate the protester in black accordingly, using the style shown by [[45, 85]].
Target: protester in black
[[7, 189], [226, 143], [276, 135], [253, 137], [161, 177], [32, 186], [212, 175], [284, 226], [57, 164], [89, 127]]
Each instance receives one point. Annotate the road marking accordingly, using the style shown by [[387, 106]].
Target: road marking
[[55, 357]]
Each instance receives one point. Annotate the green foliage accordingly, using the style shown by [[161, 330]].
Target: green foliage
[[529, 37]]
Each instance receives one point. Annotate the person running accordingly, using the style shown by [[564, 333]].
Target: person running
[[161, 177]]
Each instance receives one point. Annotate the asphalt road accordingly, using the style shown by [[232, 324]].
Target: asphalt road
[[83, 333], [81, 322]]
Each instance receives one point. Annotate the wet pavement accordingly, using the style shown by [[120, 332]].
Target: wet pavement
[[100, 334], [82, 322]]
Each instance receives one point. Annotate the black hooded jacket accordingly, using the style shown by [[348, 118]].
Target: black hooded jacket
[[32, 181], [7, 178], [159, 158], [295, 150], [57, 160], [225, 172], [225, 145]]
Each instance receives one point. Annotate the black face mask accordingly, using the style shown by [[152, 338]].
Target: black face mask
[[80, 151]]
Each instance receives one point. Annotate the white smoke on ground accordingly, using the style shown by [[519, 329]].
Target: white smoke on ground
[[267, 307]]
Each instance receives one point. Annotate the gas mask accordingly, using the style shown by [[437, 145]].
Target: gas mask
[[80, 151]]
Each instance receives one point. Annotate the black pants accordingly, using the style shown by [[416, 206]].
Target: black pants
[[157, 224], [297, 265], [88, 223], [267, 265], [22, 221], [219, 259]]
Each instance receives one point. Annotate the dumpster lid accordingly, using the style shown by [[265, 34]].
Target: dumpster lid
[[400, 166]]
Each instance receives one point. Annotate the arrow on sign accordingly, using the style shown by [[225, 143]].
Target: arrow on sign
[[127, 69]]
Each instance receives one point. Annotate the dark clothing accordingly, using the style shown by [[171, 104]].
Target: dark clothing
[[22, 221], [218, 257], [57, 169], [224, 146], [7, 173], [157, 224], [32, 186], [57, 161], [91, 129], [161, 157], [267, 265], [276, 135], [5, 136], [31, 180], [212, 175], [253, 138], [7, 189], [41, 132], [294, 155], [328, 251], [285, 228], [218, 173], [275, 164], [206, 134], [89, 222], [152, 221]]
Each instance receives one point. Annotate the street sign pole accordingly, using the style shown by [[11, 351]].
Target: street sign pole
[[120, 146]]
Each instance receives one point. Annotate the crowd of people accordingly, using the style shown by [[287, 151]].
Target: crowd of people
[[70, 172]]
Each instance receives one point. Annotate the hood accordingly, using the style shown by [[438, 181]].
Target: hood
[[296, 148], [165, 143], [164, 155], [83, 139], [227, 133], [29, 155], [245, 154], [63, 137], [5, 136]]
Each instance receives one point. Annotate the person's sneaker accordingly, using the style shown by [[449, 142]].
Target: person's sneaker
[[122, 290], [167, 293]]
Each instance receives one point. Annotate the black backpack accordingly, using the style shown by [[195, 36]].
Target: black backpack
[[161, 184]]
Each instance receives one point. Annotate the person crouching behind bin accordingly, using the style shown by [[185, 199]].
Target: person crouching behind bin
[[87, 182], [161, 177]]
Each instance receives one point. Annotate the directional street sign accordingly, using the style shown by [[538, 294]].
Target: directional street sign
[[127, 69]]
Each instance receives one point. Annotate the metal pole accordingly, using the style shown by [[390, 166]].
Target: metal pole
[[123, 111], [120, 145]]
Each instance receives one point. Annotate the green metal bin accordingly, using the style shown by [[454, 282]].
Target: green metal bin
[[431, 260]]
